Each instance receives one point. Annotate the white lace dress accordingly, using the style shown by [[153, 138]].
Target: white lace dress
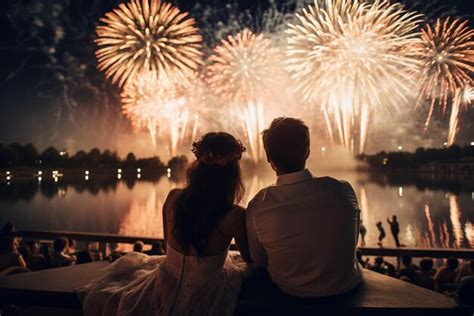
[[137, 284]]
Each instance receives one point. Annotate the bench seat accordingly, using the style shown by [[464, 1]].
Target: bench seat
[[378, 295]]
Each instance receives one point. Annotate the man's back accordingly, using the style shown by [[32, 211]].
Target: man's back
[[305, 230]]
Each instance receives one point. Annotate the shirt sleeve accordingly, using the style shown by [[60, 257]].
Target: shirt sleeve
[[257, 252], [351, 196], [349, 193]]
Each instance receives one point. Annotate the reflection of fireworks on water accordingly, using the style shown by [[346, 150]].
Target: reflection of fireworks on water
[[159, 107], [432, 236], [243, 71], [410, 235], [455, 217], [351, 58], [448, 61], [147, 35], [143, 219], [469, 231]]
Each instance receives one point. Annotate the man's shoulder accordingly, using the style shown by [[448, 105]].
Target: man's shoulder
[[258, 198], [333, 183]]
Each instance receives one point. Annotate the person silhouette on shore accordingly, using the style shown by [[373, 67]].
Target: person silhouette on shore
[[395, 229], [381, 234], [362, 232]]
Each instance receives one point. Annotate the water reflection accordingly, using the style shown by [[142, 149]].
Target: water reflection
[[126, 205]]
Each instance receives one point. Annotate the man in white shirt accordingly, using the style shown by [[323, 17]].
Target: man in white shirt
[[304, 229]]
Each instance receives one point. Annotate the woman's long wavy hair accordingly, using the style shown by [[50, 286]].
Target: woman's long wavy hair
[[214, 186]]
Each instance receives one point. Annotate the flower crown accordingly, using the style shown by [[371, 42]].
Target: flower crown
[[210, 158]]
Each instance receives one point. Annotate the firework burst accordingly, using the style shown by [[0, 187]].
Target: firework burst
[[158, 107], [244, 67], [447, 52], [462, 98], [148, 35], [244, 70], [352, 57]]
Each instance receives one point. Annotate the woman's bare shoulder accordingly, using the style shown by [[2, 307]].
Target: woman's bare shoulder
[[237, 214], [172, 195]]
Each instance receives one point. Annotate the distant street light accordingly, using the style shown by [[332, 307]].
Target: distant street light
[[400, 148]]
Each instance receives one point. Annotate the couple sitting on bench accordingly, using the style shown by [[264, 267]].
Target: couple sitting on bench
[[302, 232]]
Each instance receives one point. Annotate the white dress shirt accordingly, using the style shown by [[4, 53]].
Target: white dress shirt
[[304, 231]]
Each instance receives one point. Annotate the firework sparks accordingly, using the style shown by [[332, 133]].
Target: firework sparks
[[161, 108], [244, 70], [148, 35], [462, 98], [244, 67], [448, 62], [351, 58]]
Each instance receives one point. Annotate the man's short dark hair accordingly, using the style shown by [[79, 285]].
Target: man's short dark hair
[[406, 260], [286, 143], [426, 265], [60, 243], [452, 263], [138, 246]]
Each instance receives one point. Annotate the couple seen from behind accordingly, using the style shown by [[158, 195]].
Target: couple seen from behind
[[298, 236]]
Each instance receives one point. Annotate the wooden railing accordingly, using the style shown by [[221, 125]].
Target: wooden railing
[[418, 252], [366, 251], [91, 237]]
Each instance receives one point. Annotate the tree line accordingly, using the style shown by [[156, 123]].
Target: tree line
[[422, 156], [17, 155]]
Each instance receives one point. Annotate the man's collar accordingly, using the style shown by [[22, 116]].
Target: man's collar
[[294, 177]]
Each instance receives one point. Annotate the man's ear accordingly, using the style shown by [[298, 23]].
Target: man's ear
[[272, 165], [307, 153]]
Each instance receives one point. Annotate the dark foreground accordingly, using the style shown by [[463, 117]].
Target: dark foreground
[[378, 295]]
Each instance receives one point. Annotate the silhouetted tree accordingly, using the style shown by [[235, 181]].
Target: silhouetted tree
[[178, 163], [50, 157]]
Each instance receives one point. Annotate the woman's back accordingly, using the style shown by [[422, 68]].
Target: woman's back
[[197, 276], [11, 259], [219, 238]]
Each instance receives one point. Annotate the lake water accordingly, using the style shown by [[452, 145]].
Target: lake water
[[432, 212]]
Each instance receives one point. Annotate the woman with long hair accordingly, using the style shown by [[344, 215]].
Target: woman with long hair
[[197, 276]]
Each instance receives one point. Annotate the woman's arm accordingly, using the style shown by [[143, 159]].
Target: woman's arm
[[20, 261], [240, 234], [169, 202]]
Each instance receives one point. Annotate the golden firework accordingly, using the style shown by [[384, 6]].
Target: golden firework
[[244, 67], [244, 71], [161, 108], [352, 57], [148, 35], [447, 52]]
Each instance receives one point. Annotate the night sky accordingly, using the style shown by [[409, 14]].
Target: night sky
[[52, 94]]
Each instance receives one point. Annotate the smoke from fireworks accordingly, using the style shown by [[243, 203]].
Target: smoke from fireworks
[[148, 35], [159, 107], [243, 71], [352, 58], [448, 62]]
